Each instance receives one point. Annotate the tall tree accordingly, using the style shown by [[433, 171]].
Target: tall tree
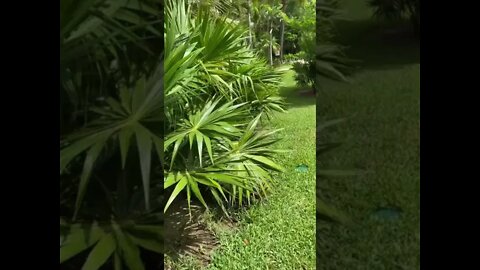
[[282, 30], [284, 16], [250, 23]]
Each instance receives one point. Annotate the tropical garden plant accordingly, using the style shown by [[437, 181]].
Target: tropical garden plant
[[111, 102], [217, 92], [150, 117], [208, 95]]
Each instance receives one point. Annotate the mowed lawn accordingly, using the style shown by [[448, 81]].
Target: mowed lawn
[[382, 139]]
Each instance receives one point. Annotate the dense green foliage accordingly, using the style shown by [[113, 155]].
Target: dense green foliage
[[115, 80], [304, 27], [216, 94], [150, 117], [319, 57], [111, 103]]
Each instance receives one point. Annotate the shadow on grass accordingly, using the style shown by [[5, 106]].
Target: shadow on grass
[[187, 235], [192, 238], [296, 96], [379, 45]]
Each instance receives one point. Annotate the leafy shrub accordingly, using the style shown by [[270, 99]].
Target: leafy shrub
[[115, 83], [290, 58], [305, 73], [217, 92]]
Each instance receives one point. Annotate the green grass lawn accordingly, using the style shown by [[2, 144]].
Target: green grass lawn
[[278, 233], [382, 139]]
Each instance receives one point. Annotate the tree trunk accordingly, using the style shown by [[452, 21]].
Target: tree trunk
[[282, 35], [271, 44], [250, 35], [282, 31]]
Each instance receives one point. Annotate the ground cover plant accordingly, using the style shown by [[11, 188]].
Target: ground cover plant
[[217, 93]]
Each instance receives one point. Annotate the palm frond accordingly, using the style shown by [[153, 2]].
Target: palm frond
[[109, 241], [120, 121]]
